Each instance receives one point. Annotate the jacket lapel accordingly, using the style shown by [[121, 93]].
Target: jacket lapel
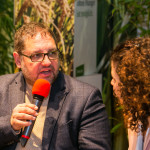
[[16, 91], [57, 98]]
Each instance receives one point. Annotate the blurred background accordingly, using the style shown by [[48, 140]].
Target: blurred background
[[86, 31]]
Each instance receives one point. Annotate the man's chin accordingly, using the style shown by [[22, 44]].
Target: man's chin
[[48, 76], [49, 79]]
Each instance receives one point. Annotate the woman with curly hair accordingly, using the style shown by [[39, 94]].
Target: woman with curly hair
[[130, 70]]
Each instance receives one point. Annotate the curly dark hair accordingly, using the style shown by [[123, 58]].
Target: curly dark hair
[[29, 30], [133, 68]]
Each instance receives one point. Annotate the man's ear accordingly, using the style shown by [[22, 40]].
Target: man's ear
[[17, 59]]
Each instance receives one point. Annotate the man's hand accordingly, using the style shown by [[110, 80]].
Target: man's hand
[[22, 113]]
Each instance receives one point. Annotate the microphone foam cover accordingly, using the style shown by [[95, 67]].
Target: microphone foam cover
[[41, 87]]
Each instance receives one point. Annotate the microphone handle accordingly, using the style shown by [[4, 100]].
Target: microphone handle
[[27, 130]]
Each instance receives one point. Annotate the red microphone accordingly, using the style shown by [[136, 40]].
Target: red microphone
[[40, 91]]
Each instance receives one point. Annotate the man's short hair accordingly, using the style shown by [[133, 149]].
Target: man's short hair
[[29, 30]]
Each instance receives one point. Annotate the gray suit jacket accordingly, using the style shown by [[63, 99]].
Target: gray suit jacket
[[75, 119]]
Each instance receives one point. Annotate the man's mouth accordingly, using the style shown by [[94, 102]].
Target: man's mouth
[[46, 72]]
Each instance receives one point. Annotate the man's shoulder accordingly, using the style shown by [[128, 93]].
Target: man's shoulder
[[8, 78], [75, 83]]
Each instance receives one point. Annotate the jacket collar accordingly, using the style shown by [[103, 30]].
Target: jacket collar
[[59, 84]]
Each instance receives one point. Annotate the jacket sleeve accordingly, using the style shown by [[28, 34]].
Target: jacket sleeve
[[94, 131], [7, 134]]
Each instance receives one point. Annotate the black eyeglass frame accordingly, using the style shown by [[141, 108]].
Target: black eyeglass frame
[[43, 55]]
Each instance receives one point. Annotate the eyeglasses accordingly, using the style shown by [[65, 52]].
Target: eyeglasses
[[38, 57]]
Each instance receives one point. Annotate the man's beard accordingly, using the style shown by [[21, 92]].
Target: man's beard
[[30, 79]]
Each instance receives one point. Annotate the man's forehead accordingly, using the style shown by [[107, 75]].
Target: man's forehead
[[39, 39], [40, 35]]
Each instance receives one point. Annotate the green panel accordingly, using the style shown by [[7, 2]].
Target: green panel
[[80, 70]]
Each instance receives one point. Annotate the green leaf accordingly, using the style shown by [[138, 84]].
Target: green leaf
[[115, 128]]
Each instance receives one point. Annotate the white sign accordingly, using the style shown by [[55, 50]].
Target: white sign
[[85, 37]]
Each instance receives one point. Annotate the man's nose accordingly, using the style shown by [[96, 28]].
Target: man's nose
[[46, 60]]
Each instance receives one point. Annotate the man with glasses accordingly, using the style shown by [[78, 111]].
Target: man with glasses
[[72, 117]]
